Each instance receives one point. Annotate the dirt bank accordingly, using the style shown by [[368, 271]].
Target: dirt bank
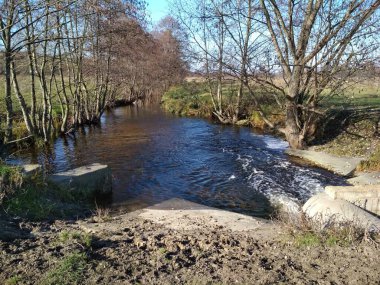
[[138, 250]]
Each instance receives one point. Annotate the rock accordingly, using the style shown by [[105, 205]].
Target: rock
[[91, 179], [364, 196], [341, 165], [325, 210]]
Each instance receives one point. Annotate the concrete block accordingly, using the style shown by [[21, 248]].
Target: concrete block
[[326, 210], [363, 196], [91, 179], [341, 165], [31, 169]]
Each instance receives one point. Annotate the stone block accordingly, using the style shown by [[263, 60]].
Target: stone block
[[92, 179], [363, 196], [325, 210]]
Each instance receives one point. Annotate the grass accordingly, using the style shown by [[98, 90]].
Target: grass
[[193, 99], [360, 94], [70, 270], [81, 238], [189, 99], [357, 140], [14, 280], [11, 179], [306, 232], [35, 199], [372, 163]]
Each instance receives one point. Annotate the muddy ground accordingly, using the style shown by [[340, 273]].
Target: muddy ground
[[143, 252]]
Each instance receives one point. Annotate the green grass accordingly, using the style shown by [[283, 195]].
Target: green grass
[[363, 94], [14, 280], [329, 238], [11, 179], [189, 99], [81, 238], [307, 239], [70, 270], [193, 99], [306, 232], [37, 200]]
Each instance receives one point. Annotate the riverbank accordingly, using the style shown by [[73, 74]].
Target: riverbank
[[349, 139], [133, 248], [141, 248]]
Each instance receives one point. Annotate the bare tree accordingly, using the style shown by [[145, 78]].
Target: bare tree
[[318, 44]]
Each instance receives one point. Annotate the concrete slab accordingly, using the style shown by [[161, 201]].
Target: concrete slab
[[341, 165], [364, 178], [31, 169], [180, 214], [326, 210], [94, 178], [364, 196]]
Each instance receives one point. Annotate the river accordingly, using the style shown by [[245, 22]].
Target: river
[[155, 156]]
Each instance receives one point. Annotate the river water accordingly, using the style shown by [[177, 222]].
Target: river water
[[156, 156]]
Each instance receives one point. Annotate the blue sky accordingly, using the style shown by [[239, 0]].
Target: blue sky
[[157, 9]]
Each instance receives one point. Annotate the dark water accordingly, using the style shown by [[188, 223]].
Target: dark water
[[155, 157]]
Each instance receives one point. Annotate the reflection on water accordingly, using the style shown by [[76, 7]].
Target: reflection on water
[[154, 157]]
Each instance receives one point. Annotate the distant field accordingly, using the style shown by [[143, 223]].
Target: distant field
[[364, 93], [24, 82]]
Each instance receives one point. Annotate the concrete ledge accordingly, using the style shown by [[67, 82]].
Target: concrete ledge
[[341, 165], [92, 179], [326, 210], [363, 178], [364, 196]]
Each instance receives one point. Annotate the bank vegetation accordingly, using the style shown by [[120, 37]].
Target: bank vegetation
[[66, 62], [292, 55]]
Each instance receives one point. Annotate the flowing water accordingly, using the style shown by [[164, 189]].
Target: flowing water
[[155, 156]]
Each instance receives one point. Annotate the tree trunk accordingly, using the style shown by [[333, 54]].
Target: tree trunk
[[293, 130], [21, 100], [8, 96]]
